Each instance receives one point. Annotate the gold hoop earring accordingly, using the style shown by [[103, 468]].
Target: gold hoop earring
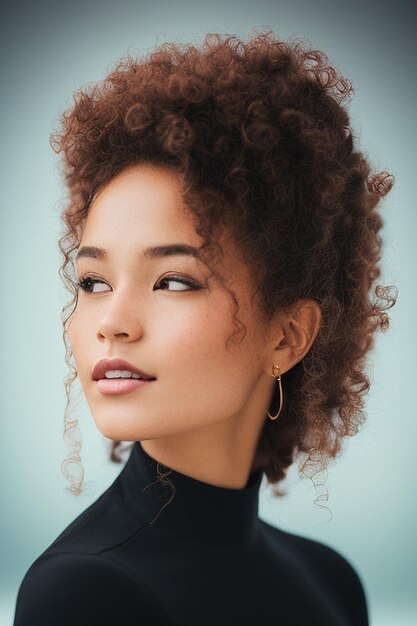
[[281, 395]]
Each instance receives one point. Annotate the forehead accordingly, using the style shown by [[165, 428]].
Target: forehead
[[139, 200]]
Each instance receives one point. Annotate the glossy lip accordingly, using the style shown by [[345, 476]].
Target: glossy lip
[[102, 366], [116, 386]]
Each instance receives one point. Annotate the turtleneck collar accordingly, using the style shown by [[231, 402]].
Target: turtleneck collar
[[189, 508]]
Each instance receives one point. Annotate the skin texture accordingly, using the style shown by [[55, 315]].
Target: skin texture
[[204, 414]]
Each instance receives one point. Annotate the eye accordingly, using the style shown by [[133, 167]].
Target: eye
[[179, 281], [87, 283]]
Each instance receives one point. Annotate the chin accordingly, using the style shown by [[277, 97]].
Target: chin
[[124, 430]]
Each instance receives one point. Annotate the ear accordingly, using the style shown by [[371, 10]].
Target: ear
[[292, 335]]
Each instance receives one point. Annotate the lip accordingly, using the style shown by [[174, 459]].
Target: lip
[[102, 366], [116, 386]]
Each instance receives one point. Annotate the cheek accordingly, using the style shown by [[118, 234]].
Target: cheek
[[193, 330], [192, 344], [80, 337]]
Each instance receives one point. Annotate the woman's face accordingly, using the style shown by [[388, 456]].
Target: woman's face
[[162, 314]]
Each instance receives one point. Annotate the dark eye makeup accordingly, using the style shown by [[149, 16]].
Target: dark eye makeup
[[87, 283]]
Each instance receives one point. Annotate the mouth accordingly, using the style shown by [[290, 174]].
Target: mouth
[[117, 367], [114, 386]]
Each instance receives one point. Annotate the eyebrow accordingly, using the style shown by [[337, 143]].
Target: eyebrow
[[154, 252]]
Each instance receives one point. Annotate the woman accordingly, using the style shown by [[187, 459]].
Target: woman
[[222, 237]]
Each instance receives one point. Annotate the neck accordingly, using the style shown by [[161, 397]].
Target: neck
[[208, 455]]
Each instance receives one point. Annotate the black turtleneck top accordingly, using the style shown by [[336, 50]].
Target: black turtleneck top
[[205, 559]]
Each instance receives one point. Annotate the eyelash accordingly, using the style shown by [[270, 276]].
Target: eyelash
[[85, 280]]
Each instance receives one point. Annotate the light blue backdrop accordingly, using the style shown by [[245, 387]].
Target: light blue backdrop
[[50, 49]]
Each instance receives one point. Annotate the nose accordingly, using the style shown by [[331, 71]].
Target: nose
[[120, 320]]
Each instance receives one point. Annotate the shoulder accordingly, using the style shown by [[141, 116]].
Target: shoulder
[[105, 523], [332, 571], [82, 589]]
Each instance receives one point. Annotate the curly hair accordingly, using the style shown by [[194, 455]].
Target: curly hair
[[261, 135]]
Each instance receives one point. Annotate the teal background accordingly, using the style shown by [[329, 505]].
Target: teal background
[[49, 50]]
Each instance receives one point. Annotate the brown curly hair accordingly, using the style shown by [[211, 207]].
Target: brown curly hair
[[260, 132]]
